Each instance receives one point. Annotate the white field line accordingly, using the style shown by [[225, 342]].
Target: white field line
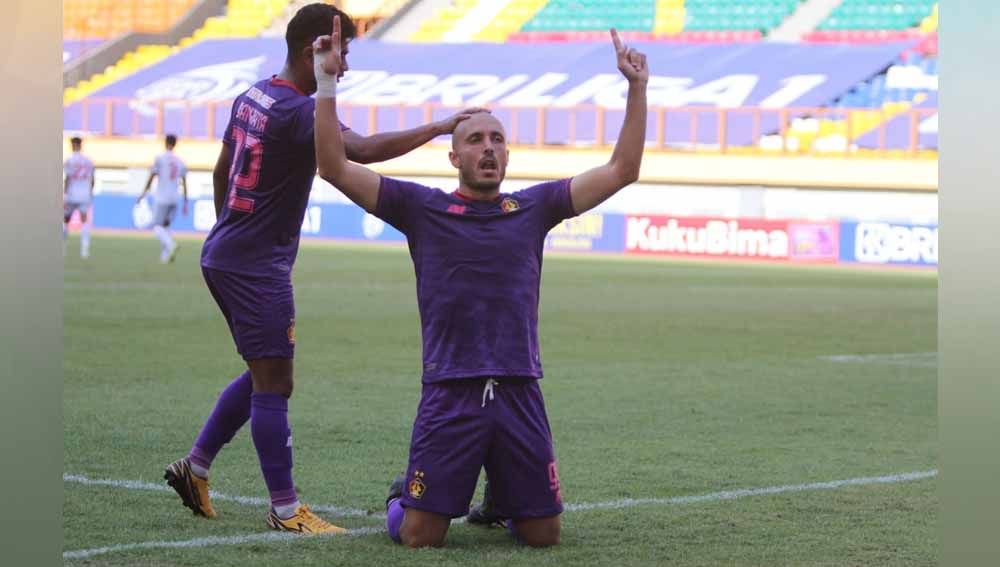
[[744, 492], [610, 505], [338, 511], [922, 359], [206, 542]]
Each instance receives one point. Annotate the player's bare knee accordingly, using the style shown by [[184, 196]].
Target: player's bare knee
[[542, 532], [421, 535]]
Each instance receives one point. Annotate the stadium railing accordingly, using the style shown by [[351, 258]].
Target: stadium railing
[[701, 129]]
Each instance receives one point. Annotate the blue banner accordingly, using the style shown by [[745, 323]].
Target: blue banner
[[589, 232], [897, 129], [882, 243], [322, 220], [73, 48], [551, 76]]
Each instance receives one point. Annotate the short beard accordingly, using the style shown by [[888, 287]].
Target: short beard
[[481, 186]]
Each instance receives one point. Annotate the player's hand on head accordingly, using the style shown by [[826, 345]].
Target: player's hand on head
[[448, 125], [327, 57], [631, 63]]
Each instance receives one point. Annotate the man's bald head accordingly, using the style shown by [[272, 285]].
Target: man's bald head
[[480, 122]]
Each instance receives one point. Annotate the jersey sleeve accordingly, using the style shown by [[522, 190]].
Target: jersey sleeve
[[400, 203], [554, 201]]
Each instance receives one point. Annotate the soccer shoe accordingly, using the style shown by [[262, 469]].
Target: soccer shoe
[[303, 522], [396, 488], [484, 515], [173, 253], [192, 489]]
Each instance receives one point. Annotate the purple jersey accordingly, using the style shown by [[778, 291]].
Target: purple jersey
[[478, 267], [271, 135]]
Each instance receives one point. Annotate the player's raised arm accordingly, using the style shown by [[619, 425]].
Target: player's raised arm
[[593, 187], [359, 183], [387, 145]]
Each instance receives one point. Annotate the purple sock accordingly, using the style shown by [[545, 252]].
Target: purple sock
[[394, 518], [231, 411], [273, 439]]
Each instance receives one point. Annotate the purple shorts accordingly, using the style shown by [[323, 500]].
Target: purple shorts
[[259, 310], [460, 428]]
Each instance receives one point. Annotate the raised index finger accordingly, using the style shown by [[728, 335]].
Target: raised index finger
[[616, 40], [336, 31]]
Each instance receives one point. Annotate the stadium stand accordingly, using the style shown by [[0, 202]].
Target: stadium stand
[[242, 18], [902, 89], [878, 15], [365, 14], [106, 19], [584, 20]]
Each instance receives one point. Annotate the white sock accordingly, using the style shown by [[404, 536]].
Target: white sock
[[164, 237], [199, 470], [85, 240], [286, 511]]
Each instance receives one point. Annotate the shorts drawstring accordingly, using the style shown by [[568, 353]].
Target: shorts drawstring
[[488, 389]]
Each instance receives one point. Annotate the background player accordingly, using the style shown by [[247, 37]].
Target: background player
[[169, 171], [78, 193], [262, 181], [477, 256]]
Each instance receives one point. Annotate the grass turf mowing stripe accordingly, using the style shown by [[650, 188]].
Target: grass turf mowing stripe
[[610, 505]]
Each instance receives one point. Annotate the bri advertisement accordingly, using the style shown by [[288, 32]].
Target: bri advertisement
[[888, 244], [557, 77]]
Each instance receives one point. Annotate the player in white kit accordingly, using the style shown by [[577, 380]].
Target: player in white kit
[[78, 192], [170, 172]]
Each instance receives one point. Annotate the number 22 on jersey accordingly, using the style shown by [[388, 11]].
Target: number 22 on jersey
[[244, 173]]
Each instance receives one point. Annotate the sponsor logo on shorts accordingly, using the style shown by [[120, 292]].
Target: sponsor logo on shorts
[[509, 205], [554, 481], [417, 487], [291, 332]]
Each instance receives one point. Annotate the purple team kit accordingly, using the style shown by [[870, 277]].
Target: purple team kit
[[248, 256], [478, 270]]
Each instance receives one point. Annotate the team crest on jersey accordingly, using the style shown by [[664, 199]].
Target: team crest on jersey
[[417, 487], [509, 205], [291, 332]]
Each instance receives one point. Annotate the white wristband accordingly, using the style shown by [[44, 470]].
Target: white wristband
[[326, 84]]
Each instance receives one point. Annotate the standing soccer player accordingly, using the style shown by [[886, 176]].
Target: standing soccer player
[[78, 193], [170, 172], [262, 181], [477, 255]]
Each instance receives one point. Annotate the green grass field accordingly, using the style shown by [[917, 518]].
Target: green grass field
[[663, 379]]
